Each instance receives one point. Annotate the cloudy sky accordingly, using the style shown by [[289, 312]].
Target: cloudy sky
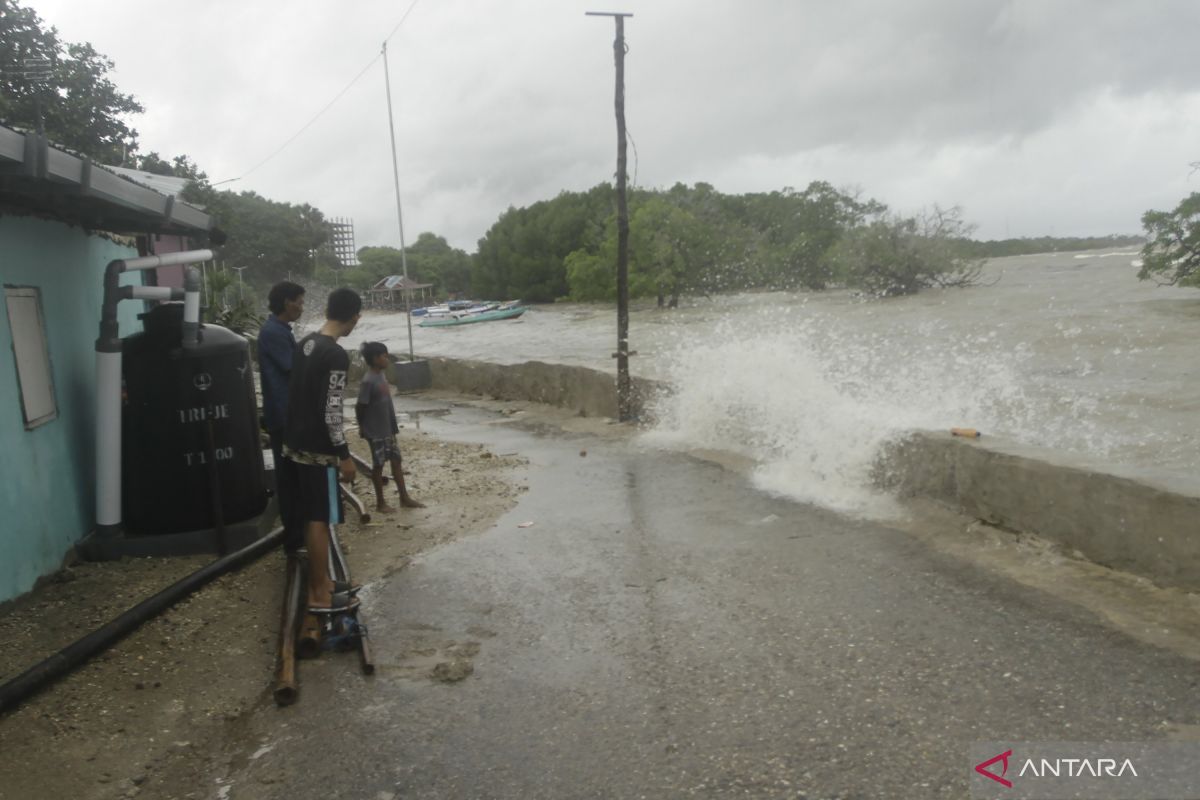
[[1061, 117]]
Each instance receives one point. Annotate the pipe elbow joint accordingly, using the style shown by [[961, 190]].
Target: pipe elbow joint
[[109, 340], [191, 280]]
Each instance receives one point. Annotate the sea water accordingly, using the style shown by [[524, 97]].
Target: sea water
[[1064, 351]]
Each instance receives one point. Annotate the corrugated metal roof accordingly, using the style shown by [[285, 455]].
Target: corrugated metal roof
[[38, 177], [398, 282], [165, 184]]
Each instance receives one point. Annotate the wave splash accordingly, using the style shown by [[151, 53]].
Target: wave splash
[[812, 400]]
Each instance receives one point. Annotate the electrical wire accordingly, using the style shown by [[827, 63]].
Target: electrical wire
[[306, 126], [411, 5], [328, 105]]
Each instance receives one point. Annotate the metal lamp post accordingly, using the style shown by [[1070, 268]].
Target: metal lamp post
[[399, 212]]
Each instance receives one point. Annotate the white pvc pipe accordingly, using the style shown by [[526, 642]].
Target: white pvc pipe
[[192, 281], [191, 308], [150, 292], [167, 260], [108, 438], [109, 395]]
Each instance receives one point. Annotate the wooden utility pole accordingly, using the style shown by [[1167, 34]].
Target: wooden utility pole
[[624, 387]]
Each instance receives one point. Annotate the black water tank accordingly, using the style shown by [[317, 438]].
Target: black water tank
[[175, 397]]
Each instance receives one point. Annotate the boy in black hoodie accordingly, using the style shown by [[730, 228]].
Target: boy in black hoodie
[[314, 443]]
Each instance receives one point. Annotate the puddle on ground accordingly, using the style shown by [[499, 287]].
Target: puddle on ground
[[414, 416]]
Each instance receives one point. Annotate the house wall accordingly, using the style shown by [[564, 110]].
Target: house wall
[[47, 474], [162, 244]]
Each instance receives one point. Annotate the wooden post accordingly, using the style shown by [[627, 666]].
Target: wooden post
[[308, 644], [286, 690], [350, 497], [624, 386]]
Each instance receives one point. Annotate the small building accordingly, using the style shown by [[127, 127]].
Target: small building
[[390, 293], [62, 219]]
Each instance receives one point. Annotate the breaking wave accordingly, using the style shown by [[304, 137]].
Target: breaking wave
[[813, 400]]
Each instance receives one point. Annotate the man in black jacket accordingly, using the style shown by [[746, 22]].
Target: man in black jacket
[[275, 347], [315, 448]]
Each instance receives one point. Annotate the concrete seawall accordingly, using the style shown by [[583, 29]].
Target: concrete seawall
[[1142, 523], [590, 392], [1148, 524]]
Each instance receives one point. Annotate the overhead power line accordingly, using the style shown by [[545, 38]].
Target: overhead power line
[[327, 106], [387, 38]]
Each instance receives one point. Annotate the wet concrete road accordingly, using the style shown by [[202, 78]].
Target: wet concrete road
[[663, 630]]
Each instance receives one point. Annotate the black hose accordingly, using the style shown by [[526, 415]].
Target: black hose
[[27, 683]]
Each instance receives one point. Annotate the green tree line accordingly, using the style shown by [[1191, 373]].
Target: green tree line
[[696, 240], [430, 259], [1000, 248]]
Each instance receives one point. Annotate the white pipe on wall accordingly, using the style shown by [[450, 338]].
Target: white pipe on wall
[[167, 260], [163, 293], [108, 439]]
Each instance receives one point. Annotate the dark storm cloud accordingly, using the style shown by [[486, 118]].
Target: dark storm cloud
[[501, 104], [780, 77]]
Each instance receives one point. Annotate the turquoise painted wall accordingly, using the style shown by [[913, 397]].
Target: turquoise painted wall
[[46, 474]]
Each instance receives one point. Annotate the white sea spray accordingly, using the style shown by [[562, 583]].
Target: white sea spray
[[813, 400]]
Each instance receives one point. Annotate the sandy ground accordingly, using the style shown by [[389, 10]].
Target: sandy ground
[[139, 719], [145, 718]]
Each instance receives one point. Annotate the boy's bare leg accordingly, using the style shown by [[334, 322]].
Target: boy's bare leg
[[320, 584], [398, 476], [377, 479]]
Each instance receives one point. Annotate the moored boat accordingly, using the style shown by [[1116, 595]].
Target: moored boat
[[445, 308], [489, 313]]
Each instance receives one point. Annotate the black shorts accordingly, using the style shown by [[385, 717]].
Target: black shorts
[[285, 489], [312, 495], [384, 451]]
